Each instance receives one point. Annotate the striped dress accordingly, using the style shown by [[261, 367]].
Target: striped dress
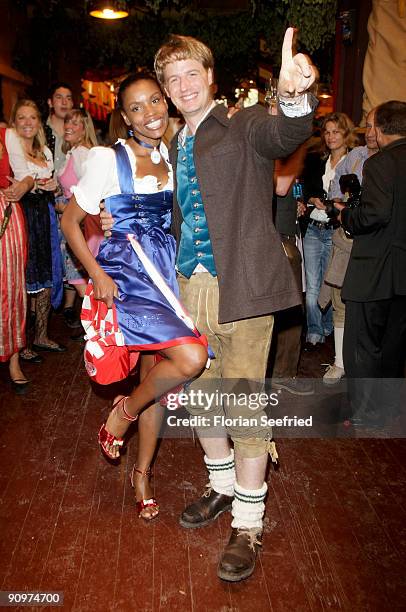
[[13, 253]]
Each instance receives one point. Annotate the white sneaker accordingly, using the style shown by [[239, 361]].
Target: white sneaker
[[333, 374]]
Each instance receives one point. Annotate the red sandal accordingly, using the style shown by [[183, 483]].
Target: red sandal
[[106, 438], [144, 503]]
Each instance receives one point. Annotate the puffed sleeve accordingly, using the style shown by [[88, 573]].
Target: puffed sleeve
[[18, 162], [97, 181], [80, 155]]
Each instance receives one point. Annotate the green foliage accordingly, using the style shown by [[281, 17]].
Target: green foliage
[[314, 18], [233, 37]]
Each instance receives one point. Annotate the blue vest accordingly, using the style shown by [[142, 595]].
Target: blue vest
[[195, 246]]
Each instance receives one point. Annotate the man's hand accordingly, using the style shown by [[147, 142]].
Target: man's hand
[[297, 72], [339, 206], [106, 220], [104, 288]]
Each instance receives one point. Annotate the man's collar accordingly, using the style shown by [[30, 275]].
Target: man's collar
[[218, 111], [399, 141]]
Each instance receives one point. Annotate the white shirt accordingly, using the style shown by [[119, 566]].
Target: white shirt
[[100, 178], [20, 165], [327, 178]]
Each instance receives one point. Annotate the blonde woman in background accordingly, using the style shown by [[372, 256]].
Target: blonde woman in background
[[29, 156], [79, 138]]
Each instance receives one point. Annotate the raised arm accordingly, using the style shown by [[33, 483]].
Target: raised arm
[[276, 137], [297, 73]]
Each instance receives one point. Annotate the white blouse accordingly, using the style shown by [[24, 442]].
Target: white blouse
[[100, 179], [327, 178], [20, 165], [79, 155]]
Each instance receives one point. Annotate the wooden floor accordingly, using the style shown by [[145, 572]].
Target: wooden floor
[[335, 528]]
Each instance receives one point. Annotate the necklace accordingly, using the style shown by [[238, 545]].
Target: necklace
[[155, 154]]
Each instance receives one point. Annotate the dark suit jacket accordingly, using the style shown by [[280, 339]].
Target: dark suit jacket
[[377, 267], [233, 159]]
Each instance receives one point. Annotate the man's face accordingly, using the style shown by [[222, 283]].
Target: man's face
[[188, 85], [370, 134], [61, 102], [381, 138]]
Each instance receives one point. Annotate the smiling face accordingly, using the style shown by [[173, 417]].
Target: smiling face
[[145, 110], [334, 137], [74, 130], [188, 84], [27, 122], [61, 102], [370, 134]]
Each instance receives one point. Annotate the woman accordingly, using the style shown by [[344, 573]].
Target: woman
[[135, 181], [337, 138], [13, 255], [30, 156], [79, 138]]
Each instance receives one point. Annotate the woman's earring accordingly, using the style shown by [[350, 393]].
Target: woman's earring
[[130, 133]]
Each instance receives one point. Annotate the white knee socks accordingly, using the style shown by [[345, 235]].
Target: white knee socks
[[248, 507], [222, 474]]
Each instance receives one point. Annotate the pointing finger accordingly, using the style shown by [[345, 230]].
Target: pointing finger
[[287, 53]]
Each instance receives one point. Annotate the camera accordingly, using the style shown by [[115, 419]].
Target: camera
[[331, 210], [350, 185]]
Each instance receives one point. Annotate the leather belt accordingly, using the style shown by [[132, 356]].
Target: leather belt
[[321, 224]]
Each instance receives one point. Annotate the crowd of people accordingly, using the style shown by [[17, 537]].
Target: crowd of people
[[192, 270], [39, 164]]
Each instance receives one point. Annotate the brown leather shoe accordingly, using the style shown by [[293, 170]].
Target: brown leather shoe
[[238, 560], [206, 509]]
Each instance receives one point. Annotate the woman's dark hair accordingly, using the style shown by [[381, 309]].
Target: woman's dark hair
[[390, 117], [130, 80], [117, 126]]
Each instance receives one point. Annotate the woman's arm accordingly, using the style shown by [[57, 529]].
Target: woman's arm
[[103, 286], [18, 189]]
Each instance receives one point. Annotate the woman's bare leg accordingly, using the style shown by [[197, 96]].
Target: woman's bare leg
[[149, 425], [181, 363], [15, 370]]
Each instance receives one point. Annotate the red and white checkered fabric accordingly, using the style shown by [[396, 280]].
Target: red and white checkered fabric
[[107, 359]]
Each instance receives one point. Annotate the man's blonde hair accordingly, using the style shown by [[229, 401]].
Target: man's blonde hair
[[181, 48]]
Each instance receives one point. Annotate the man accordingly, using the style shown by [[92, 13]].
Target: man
[[233, 271], [60, 102], [374, 288], [353, 163]]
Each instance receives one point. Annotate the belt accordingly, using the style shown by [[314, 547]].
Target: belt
[[321, 224]]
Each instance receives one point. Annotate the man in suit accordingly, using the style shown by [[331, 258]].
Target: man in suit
[[374, 288]]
